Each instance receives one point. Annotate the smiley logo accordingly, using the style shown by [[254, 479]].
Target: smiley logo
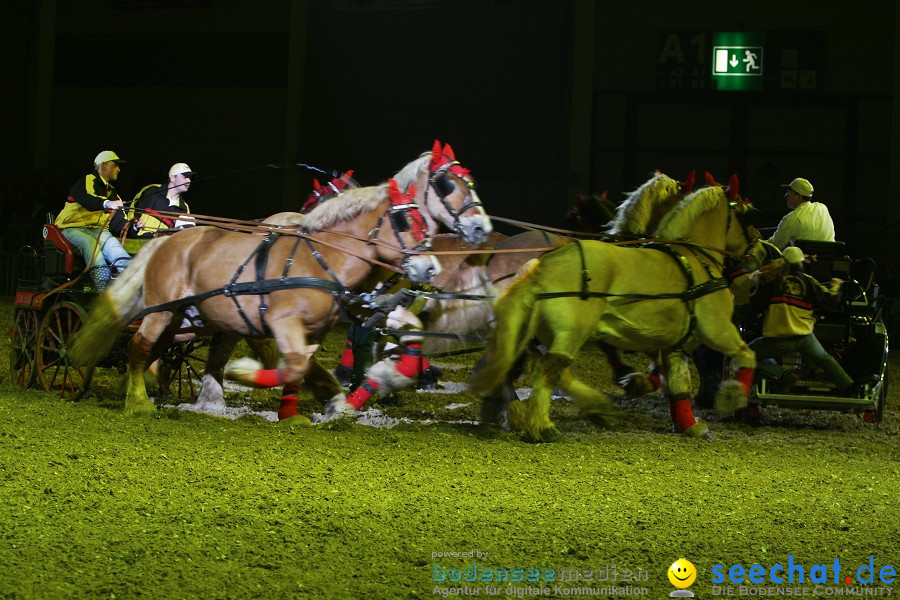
[[682, 573]]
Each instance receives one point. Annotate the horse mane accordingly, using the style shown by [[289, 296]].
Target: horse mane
[[635, 215], [679, 220], [355, 201], [351, 203], [408, 175]]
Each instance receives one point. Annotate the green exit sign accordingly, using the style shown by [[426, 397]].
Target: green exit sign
[[737, 60]]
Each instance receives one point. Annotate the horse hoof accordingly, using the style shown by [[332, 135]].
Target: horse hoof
[[515, 414], [602, 415], [296, 421], [550, 434], [344, 375], [730, 397], [636, 385], [140, 408], [428, 379], [699, 430]]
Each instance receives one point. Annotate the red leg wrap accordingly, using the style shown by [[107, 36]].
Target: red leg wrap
[[653, 376], [288, 402], [358, 397], [425, 363], [745, 376], [268, 378], [347, 355], [410, 363], [682, 413]]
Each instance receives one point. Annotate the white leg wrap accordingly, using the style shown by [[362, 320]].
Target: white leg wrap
[[385, 374]]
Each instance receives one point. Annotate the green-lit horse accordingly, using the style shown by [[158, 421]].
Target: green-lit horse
[[666, 297]]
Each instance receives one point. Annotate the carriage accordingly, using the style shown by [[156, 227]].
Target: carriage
[[53, 293], [853, 332]]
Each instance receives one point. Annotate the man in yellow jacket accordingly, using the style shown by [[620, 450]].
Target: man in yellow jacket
[[84, 220], [789, 322]]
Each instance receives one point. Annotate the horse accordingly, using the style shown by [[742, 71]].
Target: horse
[[639, 213], [289, 295], [663, 297], [445, 194]]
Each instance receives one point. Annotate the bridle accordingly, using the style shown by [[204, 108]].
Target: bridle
[[403, 214], [439, 180], [747, 261]]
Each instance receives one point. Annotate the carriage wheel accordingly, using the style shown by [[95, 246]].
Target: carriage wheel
[[181, 370], [54, 369], [23, 339]]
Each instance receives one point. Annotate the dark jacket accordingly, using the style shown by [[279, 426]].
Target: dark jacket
[[149, 202]]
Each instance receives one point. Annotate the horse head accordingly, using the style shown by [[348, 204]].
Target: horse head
[[447, 193], [591, 213], [411, 232], [642, 211]]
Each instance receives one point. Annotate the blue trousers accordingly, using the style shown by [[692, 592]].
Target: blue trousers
[[102, 256]]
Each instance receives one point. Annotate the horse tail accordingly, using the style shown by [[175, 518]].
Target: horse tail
[[514, 328], [114, 309]]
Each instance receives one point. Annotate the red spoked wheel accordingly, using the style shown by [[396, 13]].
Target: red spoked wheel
[[54, 369], [23, 340]]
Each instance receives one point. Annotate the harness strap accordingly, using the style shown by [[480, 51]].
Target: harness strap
[[251, 288], [237, 273], [262, 259], [691, 292]]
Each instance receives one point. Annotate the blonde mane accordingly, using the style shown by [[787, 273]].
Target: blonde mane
[[349, 204], [352, 202], [680, 219], [408, 175], [642, 210]]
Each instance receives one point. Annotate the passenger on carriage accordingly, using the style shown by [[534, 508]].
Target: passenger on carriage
[[791, 298], [85, 219], [154, 199], [808, 220]]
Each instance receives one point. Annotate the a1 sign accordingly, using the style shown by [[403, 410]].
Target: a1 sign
[[737, 61]]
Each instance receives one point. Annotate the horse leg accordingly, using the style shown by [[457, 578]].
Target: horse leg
[[592, 403], [291, 339], [396, 372], [640, 384], [614, 357], [505, 399], [145, 347], [678, 379], [344, 371], [212, 396], [326, 388], [538, 426], [732, 395], [265, 350]]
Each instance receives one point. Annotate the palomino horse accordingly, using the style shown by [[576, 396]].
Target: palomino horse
[[667, 297], [635, 217], [445, 194], [288, 292]]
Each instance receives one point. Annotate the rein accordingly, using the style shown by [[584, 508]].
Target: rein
[[263, 228]]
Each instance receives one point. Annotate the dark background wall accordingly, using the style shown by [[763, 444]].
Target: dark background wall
[[540, 99]]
